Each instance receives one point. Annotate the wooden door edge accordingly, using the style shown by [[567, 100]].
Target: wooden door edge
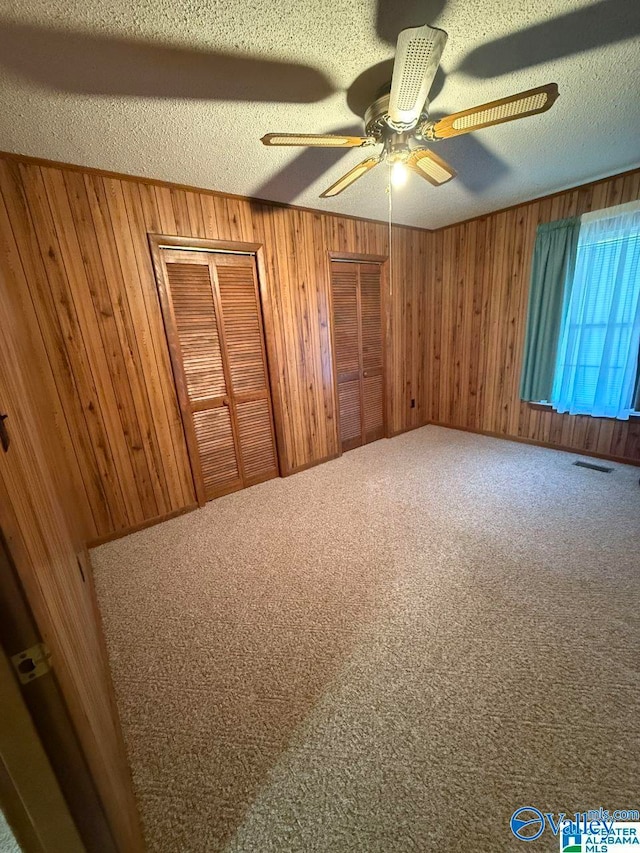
[[275, 390], [334, 367], [48, 710], [30, 795], [385, 281]]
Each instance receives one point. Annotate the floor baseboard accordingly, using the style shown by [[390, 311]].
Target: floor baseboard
[[149, 522], [622, 460]]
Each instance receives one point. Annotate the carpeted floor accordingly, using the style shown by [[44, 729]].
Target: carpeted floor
[[8, 843], [389, 652]]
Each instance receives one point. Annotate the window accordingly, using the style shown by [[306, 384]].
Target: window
[[597, 363], [582, 346]]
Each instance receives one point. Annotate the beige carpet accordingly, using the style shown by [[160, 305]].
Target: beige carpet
[[389, 652], [8, 843]]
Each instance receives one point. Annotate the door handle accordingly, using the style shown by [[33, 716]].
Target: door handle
[[4, 434], [365, 373]]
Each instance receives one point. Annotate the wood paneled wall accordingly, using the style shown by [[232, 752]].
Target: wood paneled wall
[[75, 242], [478, 285], [40, 524]]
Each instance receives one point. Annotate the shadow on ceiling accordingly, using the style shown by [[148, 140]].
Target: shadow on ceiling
[[478, 168], [72, 61], [392, 16], [602, 23], [87, 64]]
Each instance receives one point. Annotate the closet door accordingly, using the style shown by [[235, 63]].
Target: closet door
[[358, 351], [214, 326], [372, 364], [247, 366], [347, 347]]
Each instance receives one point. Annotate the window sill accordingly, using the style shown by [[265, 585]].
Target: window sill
[[547, 407]]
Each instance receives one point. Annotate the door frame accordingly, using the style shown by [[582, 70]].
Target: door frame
[[157, 242], [30, 795], [47, 706], [383, 261]]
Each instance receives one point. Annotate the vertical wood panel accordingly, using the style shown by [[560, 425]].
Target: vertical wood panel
[[77, 242], [46, 546], [141, 212], [477, 314], [85, 496], [98, 343]]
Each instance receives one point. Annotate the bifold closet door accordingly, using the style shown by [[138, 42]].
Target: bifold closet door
[[213, 319], [358, 351]]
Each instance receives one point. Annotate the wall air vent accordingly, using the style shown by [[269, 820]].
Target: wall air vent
[[593, 466]]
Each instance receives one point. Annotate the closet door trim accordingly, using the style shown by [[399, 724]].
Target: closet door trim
[[383, 261], [158, 242]]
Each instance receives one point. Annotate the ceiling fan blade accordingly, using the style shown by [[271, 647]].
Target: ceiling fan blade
[[321, 140], [524, 104], [417, 59], [351, 176], [301, 169], [430, 167]]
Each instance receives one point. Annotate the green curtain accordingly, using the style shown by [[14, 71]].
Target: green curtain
[[554, 260]]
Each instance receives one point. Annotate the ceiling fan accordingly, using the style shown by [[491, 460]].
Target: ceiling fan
[[399, 117]]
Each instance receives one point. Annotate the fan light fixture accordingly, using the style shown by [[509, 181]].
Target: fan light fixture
[[399, 174], [399, 117]]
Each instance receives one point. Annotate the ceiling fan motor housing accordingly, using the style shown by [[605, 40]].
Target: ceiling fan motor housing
[[378, 123], [397, 147]]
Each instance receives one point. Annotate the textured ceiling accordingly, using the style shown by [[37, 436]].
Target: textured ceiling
[[182, 90]]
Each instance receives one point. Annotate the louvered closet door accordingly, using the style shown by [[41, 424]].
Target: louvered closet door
[[358, 351], [213, 321], [372, 368], [247, 362], [347, 346]]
